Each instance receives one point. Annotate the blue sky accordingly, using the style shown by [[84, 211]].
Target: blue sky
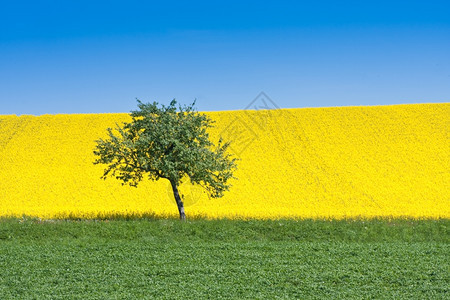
[[99, 56]]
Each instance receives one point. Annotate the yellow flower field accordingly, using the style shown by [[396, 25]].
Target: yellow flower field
[[341, 162]]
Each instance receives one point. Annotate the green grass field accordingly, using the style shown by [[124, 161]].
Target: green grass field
[[133, 259]]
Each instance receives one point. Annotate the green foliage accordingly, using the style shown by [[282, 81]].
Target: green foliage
[[170, 143], [224, 259]]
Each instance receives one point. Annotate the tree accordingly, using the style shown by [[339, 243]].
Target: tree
[[167, 143]]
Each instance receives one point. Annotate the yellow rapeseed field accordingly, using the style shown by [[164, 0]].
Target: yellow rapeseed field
[[341, 162]]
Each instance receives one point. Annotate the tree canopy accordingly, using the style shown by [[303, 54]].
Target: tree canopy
[[167, 142]]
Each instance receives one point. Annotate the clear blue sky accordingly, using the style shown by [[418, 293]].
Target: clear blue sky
[[98, 56]]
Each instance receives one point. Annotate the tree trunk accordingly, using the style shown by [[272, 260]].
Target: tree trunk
[[178, 200]]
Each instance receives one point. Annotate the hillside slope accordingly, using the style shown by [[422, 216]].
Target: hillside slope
[[308, 163]]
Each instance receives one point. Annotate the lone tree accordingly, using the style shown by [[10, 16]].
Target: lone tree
[[167, 143]]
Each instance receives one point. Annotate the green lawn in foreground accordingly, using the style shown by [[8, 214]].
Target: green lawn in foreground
[[400, 259]]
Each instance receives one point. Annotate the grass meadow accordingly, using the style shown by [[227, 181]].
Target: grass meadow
[[224, 259]]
